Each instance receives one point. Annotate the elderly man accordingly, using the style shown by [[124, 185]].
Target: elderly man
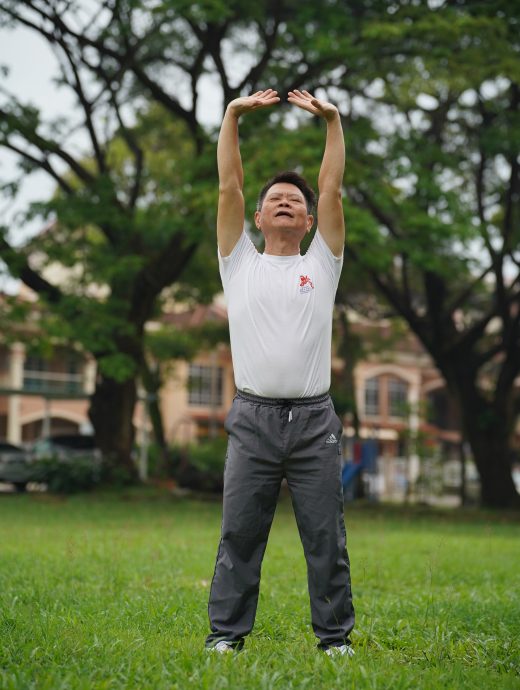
[[282, 422]]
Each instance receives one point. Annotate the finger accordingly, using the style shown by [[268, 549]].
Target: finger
[[260, 94], [305, 95], [297, 98], [266, 102]]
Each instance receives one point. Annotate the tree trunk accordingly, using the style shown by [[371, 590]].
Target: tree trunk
[[492, 458], [488, 429], [151, 377], [463, 473], [111, 413]]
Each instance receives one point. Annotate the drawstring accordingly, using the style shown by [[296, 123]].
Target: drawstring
[[286, 410]]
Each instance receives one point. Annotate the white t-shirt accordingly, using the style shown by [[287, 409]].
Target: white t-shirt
[[280, 318]]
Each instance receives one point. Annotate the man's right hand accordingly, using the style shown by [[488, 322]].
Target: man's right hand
[[246, 104]]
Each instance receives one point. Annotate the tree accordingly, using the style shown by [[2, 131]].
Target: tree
[[433, 133], [432, 129], [441, 190], [132, 232]]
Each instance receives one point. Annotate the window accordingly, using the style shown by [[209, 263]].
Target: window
[[372, 397], [397, 398], [45, 376], [205, 385]]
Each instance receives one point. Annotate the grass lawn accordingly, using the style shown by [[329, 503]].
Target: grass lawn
[[110, 591]]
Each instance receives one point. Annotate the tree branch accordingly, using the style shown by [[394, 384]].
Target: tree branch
[[463, 296], [19, 268], [86, 105], [134, 147], [42, 163], [269, 37], [377, 212]]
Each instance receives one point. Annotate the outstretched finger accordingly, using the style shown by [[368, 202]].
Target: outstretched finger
[[298, 98], [264, 102]]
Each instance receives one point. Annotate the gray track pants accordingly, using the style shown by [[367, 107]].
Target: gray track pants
[[269, 440]]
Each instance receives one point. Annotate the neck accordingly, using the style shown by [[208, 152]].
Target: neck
[[282, 246]]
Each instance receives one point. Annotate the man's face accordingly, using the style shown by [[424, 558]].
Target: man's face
[[284, 210]]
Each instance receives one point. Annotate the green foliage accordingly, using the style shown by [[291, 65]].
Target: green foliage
[[170, 343], [208, 455], [68, 476], [118, 366], [429, 98]]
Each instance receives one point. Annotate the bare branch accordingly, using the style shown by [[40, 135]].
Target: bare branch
[[133, 146], [362, 196], [19, 268], [463, 296], [87, 106], [269, 37], [42, 163]]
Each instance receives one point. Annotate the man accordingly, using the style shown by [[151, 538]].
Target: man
[[282, 422]]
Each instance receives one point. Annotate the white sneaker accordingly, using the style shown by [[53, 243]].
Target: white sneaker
[[343, 650], [221, 647]]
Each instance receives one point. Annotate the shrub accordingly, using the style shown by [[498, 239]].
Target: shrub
[[68, 476], [209, 456], [200, 466]]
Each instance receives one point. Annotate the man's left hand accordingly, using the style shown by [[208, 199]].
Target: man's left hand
[[305, 100]]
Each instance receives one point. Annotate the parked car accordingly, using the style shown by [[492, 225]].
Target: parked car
[[15, 465], [67, 447], [67, 463]]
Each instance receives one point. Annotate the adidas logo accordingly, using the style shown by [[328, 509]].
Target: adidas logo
[[331, 439]]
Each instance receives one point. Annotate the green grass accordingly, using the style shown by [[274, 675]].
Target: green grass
[[110, 591]]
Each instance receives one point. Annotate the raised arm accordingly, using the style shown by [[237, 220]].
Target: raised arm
[[331, 221], [230, 216]]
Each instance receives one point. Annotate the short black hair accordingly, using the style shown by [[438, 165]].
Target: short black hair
[[291, 177]]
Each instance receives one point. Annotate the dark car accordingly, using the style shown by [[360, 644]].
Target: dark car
[[67, 447], [15, 465]]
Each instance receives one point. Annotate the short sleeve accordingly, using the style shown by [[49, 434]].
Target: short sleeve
[[320, 252], [243, 254]]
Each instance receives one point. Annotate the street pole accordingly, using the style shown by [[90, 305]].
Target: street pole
[[143, 448]]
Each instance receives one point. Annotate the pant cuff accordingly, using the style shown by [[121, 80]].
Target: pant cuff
[[323, 646]]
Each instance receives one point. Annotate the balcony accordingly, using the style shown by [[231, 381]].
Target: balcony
[[52, 382]]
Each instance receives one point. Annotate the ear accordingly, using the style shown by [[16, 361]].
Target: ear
[[310, 221], [257, 220]]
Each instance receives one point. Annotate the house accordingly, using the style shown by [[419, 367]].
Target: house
[[401, 398], [40, 395]]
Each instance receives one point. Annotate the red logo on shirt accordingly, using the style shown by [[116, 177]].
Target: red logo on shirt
[[306, 284], [305, 280]]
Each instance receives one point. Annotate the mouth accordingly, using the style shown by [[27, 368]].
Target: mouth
[[283, 213]]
